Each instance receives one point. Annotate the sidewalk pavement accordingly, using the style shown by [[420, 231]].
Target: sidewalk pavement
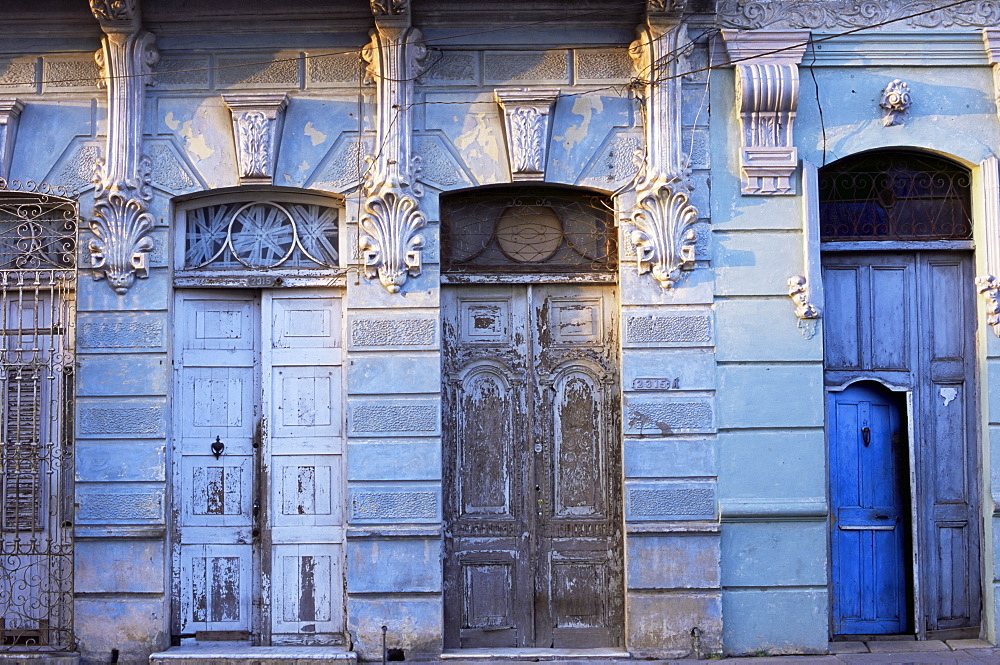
[[888, 651]]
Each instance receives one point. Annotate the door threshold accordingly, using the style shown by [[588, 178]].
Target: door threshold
[[513, 653], [233, 652]]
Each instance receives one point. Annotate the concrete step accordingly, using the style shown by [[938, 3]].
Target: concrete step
[[241, 653], [39, 658]]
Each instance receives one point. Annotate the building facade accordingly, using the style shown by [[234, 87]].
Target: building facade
[[647, 327]]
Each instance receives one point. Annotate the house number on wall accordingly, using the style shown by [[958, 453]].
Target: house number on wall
[[656, 384]]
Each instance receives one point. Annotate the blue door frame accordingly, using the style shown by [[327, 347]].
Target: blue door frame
[[870, 516]]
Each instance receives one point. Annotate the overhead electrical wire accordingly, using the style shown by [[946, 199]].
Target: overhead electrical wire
[[519, 26]]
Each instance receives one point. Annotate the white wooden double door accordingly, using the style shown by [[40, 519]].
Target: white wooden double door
[[258, 524]]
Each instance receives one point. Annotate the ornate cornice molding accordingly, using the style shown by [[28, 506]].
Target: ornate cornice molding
[[840, 14], [10, 112], [526, 123], [121, 223], [257, 120], [663, 217], [767, 96], [391, 241]]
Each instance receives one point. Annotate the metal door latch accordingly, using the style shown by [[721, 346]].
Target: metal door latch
[[866, 436]]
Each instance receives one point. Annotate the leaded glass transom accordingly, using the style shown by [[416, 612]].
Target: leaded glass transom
[[897, 195], [540, 229], [261, 235]]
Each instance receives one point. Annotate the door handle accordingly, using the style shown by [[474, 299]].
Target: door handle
[[866, 436]]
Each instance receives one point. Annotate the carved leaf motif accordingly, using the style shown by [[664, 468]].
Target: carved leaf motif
[[255, 144], [392, 241], [113, 10], [663, 237], [526, 139], [121, 224]]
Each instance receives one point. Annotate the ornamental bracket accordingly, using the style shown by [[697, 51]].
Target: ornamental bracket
[[257, 120], [664, 217], [390, 238], [767, 96], [121, 224], [526, 122]]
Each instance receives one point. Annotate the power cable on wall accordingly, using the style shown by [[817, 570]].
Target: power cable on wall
[[516, 27]]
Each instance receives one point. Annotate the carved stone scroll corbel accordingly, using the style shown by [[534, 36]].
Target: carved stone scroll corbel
[[391, 241], [526, 122], [257, 119], [663, 217], [10, 111], [767, 95], [121, 224]]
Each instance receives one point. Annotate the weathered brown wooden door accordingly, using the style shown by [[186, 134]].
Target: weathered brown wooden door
[[532, 467]]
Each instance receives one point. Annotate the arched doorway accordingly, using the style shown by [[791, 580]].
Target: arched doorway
[[257, 436], [896, 230], [532, 451]]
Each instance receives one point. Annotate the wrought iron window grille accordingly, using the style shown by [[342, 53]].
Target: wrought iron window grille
[[38, 255], [523, 230], [894, 196]]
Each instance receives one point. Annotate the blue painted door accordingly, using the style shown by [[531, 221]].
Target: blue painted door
[[868, 470]]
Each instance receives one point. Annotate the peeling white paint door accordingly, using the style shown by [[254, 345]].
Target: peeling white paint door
[[302, 455], [258, 520]]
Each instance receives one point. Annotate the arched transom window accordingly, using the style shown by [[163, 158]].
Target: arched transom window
[[895, 195], [265, 232]]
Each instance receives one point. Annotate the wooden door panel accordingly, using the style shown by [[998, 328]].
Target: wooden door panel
[[307, 597], [842, 331], [890, 316], [216, 397], [486, 432], [303, 522], [216, 492], [217, 584], [579, 616], [306, 490], [945, 417], [578, 446], [490, 598]]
